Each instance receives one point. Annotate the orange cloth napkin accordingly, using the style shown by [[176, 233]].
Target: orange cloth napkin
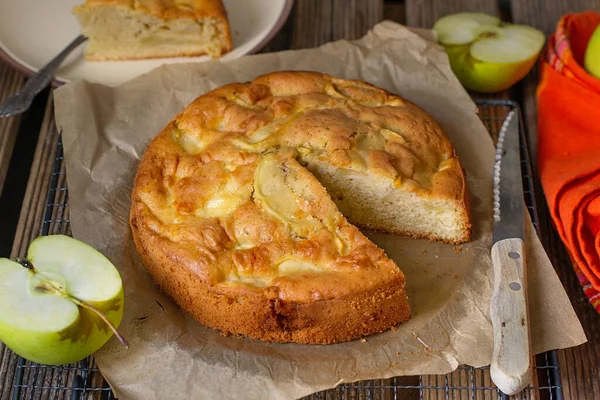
[[569, 145]]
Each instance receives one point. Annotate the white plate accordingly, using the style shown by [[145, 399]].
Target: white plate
[[32, 32]]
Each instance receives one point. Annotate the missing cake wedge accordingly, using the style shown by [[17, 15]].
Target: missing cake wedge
[[142, 29]]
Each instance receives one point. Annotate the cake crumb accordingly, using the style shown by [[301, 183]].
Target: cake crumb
[[363, 340], [394, 364], [457, 249], [436, 256]]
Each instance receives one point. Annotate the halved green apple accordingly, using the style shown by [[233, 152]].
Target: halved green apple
[[485, 54], [60, 305]]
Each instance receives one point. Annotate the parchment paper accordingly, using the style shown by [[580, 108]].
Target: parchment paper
[[105, 131]]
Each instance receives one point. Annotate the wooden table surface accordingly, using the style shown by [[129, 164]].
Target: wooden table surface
[[28, 145]]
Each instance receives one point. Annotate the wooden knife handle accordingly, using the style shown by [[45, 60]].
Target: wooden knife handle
[[511, 362]]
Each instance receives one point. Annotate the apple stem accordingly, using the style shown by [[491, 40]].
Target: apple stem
[[106, 321], [488, 35], [50, 286]]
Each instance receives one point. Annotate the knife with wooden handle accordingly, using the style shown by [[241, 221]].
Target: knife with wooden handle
[[512, 361]]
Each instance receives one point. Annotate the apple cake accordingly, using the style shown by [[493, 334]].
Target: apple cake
[[138, 29], [242, 207]]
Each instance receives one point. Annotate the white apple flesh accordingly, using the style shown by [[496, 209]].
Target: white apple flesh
[[40, 318], [485, 54]]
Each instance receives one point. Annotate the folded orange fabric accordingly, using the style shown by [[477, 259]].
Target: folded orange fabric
[[569, 145]]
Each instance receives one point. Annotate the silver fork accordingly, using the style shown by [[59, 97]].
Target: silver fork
[[20, 101]]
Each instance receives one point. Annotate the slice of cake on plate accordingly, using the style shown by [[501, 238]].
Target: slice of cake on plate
[[139, 29]]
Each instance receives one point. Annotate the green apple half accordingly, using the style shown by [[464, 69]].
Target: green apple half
[[60, 305], [485, 54]]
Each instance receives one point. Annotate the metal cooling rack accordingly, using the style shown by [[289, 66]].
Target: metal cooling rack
[[83, 380]]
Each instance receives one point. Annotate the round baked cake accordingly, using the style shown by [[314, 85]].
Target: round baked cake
[[243, 205]]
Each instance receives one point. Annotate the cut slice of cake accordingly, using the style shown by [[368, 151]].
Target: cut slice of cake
[[241, 205], [139, 29]]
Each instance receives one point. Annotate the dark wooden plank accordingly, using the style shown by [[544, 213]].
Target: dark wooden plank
[[353, 18], [10, 82], [34, 202], [544, 14], [316, 23], [312, 23], [30, 222], [579, 366], [283, 39], [29, 380], [395, 11]]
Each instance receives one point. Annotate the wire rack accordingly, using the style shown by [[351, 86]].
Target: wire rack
[[83, 380]]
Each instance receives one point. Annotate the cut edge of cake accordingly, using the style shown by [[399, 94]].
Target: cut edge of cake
[[372, 202]]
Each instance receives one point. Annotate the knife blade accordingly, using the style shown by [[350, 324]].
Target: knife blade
[[511, 361]]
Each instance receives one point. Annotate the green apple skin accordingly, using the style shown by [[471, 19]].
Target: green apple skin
[[591, 60], [33, 340], [57, 348], [484, 76]]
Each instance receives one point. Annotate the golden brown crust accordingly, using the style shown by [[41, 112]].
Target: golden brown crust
[[168, 9], [261, 314], [231, 225]]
